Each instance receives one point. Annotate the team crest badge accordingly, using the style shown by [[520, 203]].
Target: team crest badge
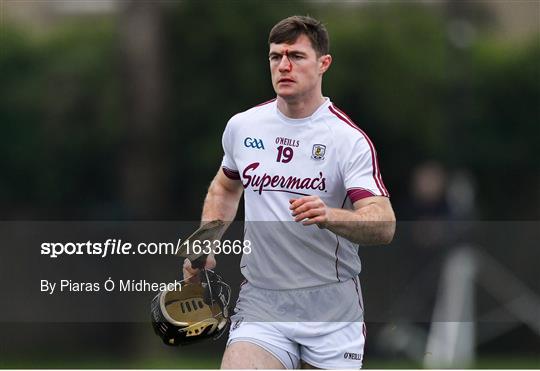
[[318, 151]]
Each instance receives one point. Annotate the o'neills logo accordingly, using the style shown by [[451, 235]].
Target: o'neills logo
[[276, 183], [355, 356], [288, 142]]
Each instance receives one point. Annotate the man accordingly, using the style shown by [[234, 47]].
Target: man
[[313, 192]]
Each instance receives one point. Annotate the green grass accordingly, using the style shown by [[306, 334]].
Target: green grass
[[481, 363], [112, 363], [213, 362]]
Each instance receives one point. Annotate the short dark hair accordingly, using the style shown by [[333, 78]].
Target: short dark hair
[[289, 29]]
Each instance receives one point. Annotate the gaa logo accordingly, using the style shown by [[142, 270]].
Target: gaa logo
[[354, 356], [253, 143]]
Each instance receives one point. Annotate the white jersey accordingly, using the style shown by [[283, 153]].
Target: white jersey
[[278, 158]]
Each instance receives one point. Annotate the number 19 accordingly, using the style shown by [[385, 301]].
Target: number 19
[[285, 154]]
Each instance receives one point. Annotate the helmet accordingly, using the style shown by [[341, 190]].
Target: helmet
[[198, 311]]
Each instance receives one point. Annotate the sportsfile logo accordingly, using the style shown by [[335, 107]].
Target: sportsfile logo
[[253, 143], [353, 356]]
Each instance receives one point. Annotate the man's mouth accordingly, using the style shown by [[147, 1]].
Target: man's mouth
[[285, 80]]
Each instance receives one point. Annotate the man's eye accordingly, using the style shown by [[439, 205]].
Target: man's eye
[[296, 57], [274, 58]]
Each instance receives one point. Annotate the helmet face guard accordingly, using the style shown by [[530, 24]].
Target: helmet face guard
[[198, 311]]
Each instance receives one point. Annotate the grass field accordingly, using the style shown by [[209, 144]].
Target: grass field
[[213, 363]]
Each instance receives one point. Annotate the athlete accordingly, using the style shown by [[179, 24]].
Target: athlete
[[313, 192]]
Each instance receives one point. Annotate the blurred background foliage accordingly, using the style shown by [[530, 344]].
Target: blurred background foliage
[[425, 83], [115, 109]]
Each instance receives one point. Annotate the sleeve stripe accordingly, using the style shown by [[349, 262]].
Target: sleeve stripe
[[356, 194], [232, 174], [374, 163], [376, 170]]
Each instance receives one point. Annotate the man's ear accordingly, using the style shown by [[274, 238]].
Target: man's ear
[[325, 62]]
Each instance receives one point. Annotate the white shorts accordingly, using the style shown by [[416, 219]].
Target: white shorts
[[334, 343], [328, 345]]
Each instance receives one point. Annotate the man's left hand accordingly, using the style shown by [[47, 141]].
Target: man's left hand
[[310, 210]]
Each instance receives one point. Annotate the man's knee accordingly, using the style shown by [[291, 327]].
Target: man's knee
[[243, 355]]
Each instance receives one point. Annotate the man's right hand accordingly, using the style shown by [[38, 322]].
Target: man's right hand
[[191, 275]]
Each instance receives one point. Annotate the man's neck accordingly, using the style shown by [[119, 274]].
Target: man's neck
[[298, 109]]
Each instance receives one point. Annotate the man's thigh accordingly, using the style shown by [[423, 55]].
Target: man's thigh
[[307, 366], [331, 345], [270, 337], [244, 355]]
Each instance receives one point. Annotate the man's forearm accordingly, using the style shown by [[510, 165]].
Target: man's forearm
[[220, 203], [370, 226]]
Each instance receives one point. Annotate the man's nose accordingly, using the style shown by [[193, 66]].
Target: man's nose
[[285, 63]]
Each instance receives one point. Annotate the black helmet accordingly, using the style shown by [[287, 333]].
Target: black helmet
[[196, 312]]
